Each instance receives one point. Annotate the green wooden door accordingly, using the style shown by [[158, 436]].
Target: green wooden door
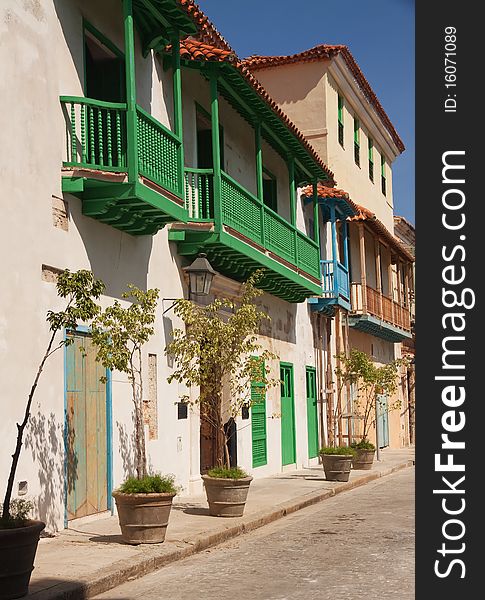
[[311, 411], [86, 430], [288, 446], [258, 425]]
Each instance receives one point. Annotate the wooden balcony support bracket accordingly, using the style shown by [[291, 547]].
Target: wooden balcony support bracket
[[363, 277], [131, 116]]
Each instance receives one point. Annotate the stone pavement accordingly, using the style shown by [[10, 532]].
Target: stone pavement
[[81, 563]]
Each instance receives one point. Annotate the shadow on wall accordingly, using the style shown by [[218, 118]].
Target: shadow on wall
[[115, 257], [282, 325], [44, 439], [127, 445], [71, 24]]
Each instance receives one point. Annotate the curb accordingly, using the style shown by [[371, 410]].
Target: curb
[[136, 567]]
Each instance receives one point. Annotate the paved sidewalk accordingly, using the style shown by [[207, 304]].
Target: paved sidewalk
[[81, 563]]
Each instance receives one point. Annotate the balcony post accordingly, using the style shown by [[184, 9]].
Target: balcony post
[[131, 117], [291, 176], [363, 276], [333, 225], [345, 233], [316, 225], [216, 151], [391, 284], [177, 106], [259, 176], [399, 296], [377, 254]]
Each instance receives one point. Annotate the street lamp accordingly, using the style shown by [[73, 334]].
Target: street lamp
[[200, 274]]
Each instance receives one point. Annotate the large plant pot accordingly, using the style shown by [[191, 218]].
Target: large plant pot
[[363, 459], [226, 497], [143, 517], [17, 553], [337, 466]]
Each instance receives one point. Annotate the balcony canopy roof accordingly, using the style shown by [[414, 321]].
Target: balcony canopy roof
[[158, 20]]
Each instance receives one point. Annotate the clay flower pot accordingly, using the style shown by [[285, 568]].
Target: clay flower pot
[[17, 553], [143, 517], [226, 497]]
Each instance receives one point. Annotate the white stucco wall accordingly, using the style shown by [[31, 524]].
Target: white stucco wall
[[46, 40]]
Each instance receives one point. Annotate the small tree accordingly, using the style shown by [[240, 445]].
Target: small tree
[[372, 381], [119, 334], [217, 348], [80, 289]]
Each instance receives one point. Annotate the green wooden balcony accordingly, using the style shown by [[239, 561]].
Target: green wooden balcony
[[98, 145], [240, 234]]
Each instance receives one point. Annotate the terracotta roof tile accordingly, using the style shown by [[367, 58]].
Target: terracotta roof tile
[[324, 51], [325, 191], [367, 215], [207, 32], [196, 50]]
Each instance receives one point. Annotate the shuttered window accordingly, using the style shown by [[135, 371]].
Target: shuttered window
[[258, 424]]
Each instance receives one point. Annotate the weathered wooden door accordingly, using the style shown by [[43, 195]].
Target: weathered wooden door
[[258, 425], [311, 411], [86, 430], [288, 447], [382, 421]]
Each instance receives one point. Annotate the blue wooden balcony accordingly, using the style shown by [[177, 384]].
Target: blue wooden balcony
[[335, 288]]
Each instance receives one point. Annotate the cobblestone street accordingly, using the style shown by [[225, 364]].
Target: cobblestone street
[[357, 545]]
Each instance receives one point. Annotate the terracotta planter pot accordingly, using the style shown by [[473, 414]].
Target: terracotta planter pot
[[226, 497], [363, 459], [17, 553], [143, 517], [337, 466]]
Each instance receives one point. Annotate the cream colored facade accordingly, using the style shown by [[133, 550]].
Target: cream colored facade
[[46, 39], [313, 104]]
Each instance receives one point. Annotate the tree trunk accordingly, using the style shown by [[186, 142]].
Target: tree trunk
[[20, 433]]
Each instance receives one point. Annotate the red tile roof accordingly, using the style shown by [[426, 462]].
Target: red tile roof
[[367, 215], [329, 192], [324, 51], [207, 32], [192, 49]]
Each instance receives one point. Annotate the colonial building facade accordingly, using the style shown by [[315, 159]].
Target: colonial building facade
[[139, 140]]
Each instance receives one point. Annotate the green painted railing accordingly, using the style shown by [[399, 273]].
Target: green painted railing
[[199, 193], [159, 153], [96, 133], [245, 213]]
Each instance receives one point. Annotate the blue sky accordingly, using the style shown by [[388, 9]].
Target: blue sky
[[379, 33]]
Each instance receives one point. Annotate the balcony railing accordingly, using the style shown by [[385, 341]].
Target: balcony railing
[[380, 306], [96, 138], [333, 287], [246, 214]]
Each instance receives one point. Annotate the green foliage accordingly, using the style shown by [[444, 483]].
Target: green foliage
[[119, 333], [363, 445], [150, 484], [340, 450], [218, 346], [81, 290], [19, 510], [372, 381], [225, 473]]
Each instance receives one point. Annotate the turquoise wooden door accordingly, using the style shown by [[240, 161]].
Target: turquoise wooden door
[[311, 411], [258, 425], [86, 430], [382, 421], [288, 446]]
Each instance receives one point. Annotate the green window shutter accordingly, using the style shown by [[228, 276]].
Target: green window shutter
[[371, 150], [340, 109], [383, 166], [356, 131], [258, 424]]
